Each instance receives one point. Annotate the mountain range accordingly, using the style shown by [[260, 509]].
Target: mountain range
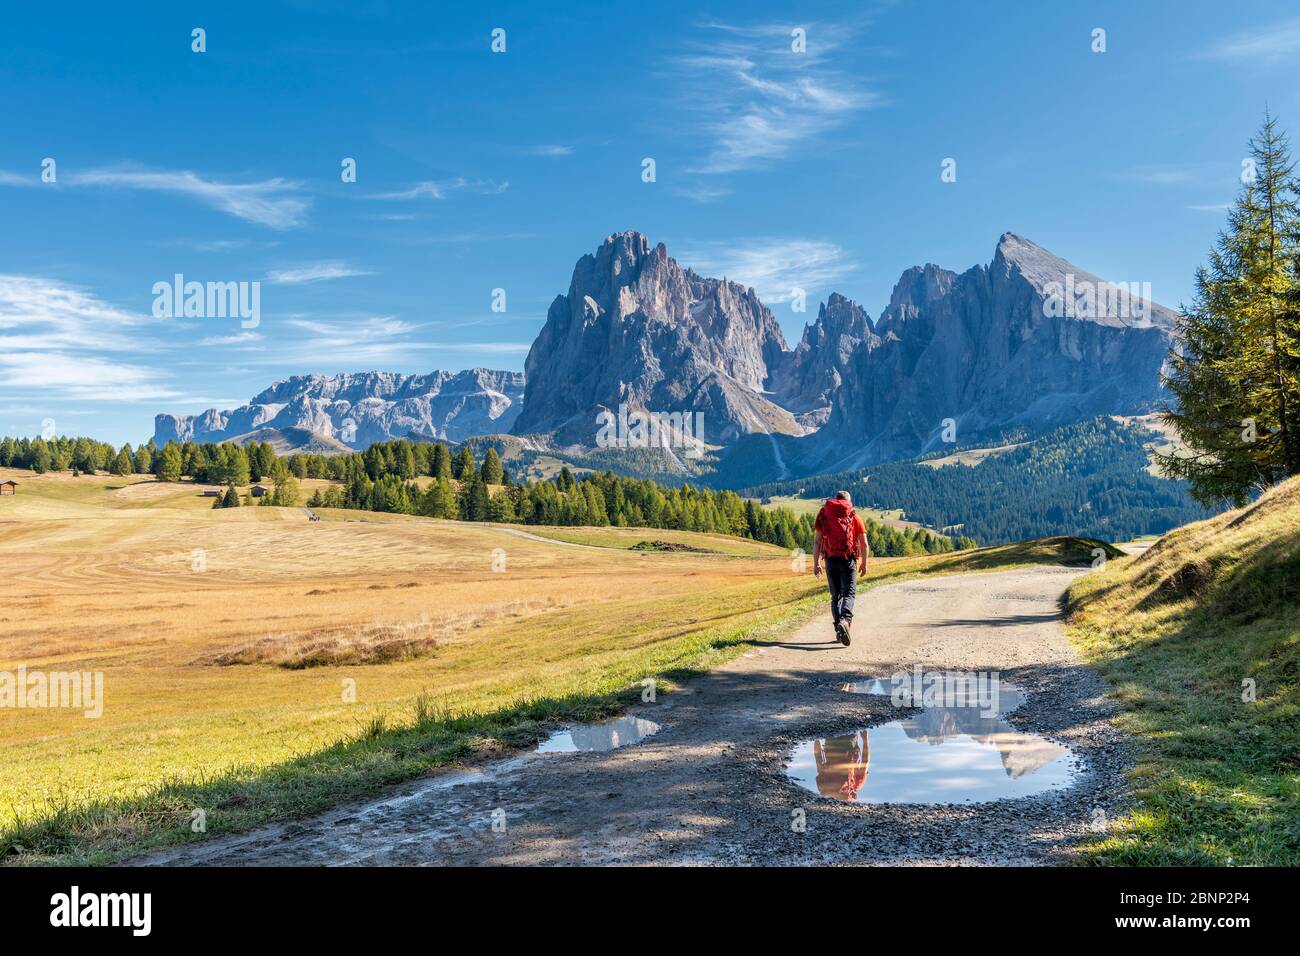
[[351, 411], [1029, 342]]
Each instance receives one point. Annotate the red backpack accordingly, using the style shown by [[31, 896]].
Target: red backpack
[[839, 533]]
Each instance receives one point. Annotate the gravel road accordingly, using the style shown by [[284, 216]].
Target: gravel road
[[711, 786]]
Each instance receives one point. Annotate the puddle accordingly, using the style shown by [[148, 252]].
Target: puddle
[[599, 737], [966, 753]]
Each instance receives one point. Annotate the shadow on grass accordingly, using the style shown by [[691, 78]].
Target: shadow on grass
[[381, 753], [1218, 779]]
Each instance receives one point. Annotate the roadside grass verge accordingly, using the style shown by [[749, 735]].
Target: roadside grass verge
[[1059, 550], [1186, 635]]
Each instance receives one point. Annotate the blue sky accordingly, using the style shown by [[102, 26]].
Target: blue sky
[[479, 170]]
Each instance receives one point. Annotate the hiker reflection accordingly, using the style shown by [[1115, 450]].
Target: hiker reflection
[[841, 765]]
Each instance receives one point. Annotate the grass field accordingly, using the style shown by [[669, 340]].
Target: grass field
[[630, 537], [228, 641], [1200, 640]]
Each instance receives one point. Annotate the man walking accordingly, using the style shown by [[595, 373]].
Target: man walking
[[840, 537]]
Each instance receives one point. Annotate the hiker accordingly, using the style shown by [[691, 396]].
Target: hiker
[[840, 537]]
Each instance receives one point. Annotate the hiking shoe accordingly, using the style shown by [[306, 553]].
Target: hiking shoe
[[841, 633], [845, 626]]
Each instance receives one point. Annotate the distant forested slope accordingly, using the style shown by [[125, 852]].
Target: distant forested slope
[[1088, 479]]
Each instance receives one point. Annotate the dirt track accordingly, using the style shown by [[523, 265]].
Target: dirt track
[[711, 786]]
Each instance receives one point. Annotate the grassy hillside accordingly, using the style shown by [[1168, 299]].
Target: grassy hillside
[[1181, 632]]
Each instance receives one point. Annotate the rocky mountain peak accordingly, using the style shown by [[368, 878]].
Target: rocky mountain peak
[[1075, 292], [838, 316], [1016, 254], [1010, 344], [990, 349], [638, 329]]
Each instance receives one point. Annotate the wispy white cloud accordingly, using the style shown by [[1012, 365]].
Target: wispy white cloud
[[702, 192], [350, 329], [315, 272], [61, 342], [460, 238], [773, 267], [1212, 207], [757, 101], [443, 189], [39, 313], [205, 402], [62, 376], [239, 338], [15, 179], [1277, 41], [369, 339], [276, 203], [550, 149], [1163, 175], [217, 245]]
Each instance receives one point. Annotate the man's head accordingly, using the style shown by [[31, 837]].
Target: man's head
[[843, 496]]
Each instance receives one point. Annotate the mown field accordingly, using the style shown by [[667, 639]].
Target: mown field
[[202, 621], [258, 665], [1199, 638]]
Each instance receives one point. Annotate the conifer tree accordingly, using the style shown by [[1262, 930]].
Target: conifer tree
[[122, 464], [441, 467], [492, 472], [1235, 369], [463, 466], [167, 466]]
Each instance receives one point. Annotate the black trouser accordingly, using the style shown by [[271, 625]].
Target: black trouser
[[842, 576]]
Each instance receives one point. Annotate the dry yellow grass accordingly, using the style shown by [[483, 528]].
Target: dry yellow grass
[[146, 583]]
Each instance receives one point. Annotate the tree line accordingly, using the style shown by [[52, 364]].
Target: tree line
[[387, 477]]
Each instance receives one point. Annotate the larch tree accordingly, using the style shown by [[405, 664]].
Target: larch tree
[[1234, 370]]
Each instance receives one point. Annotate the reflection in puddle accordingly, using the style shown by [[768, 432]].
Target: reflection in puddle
[[960, 754], [607, 736]]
